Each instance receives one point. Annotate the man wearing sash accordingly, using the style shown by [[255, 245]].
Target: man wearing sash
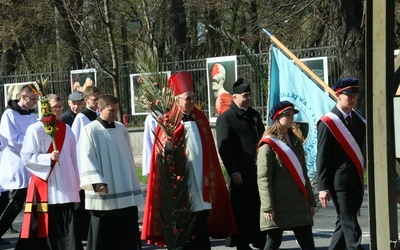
[[340, 162], [53, 188], [287, 199]]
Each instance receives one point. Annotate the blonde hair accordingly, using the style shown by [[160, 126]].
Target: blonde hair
[[53, 97]]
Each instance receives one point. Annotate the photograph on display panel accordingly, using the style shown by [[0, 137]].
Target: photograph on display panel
[[221, 75], [319, 65], [82, 78], [138, 99], [12, 91]]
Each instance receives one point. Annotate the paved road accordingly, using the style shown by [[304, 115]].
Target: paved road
[[323, 229]]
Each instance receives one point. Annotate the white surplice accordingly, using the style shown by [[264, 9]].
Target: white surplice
[[77, 128], [13, 127], [3, 143], [63, 182], [106, 157], [194, 154], [150, 125]]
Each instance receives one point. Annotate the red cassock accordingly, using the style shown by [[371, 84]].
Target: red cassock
[[221, 221]]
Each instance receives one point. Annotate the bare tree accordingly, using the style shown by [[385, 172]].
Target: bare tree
[[96, 33]]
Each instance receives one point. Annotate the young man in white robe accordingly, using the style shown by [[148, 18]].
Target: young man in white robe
[[58, 167], [14, 176], [108, 176], [89, 113]]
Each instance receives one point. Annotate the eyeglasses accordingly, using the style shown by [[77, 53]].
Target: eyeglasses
[[94, 99], [58, 107], [188, 99], [33, 98]]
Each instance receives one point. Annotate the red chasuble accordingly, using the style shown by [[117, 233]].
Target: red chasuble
[[221, 221], [38, 190]]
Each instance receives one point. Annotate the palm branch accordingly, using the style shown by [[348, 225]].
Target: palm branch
[[176, 209]]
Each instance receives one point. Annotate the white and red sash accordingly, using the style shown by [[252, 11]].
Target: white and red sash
[[346, 140], [290, 160], [38, 188]]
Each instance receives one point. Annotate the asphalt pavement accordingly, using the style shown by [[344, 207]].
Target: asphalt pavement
[[324, 221]]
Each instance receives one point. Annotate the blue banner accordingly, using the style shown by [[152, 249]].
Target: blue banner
[[288, 82]]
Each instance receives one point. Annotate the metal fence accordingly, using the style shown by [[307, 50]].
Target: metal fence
[[60, 82]]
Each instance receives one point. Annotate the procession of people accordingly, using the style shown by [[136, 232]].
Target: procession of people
[[75, 173]]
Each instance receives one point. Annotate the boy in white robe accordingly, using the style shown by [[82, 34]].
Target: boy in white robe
[[59, 168], [108, 176]]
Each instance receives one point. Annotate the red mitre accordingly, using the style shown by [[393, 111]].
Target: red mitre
[[180, 83]]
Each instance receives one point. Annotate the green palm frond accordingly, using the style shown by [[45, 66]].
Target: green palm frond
[[172, 170], [253, 59], [155, 83], [39, 87], [176, 207]]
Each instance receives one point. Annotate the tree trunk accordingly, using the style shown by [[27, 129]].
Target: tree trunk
[[348, 24], [177, 18], [68, 34], [212, 17], [114, 56]]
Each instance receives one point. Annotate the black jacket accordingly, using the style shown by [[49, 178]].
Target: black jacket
[[68, 117], [336, 171], [238, 133]]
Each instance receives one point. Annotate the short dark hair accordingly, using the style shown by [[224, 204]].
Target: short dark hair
[[27, 89], [107, 100], [91, 90]]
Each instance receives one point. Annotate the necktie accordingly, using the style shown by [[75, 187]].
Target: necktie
[[349, 123]]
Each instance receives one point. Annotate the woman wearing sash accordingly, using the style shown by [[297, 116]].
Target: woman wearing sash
[[287, 200]]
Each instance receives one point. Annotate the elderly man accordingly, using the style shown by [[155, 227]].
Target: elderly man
[[223, 97], [76, 104], [207, 187]]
